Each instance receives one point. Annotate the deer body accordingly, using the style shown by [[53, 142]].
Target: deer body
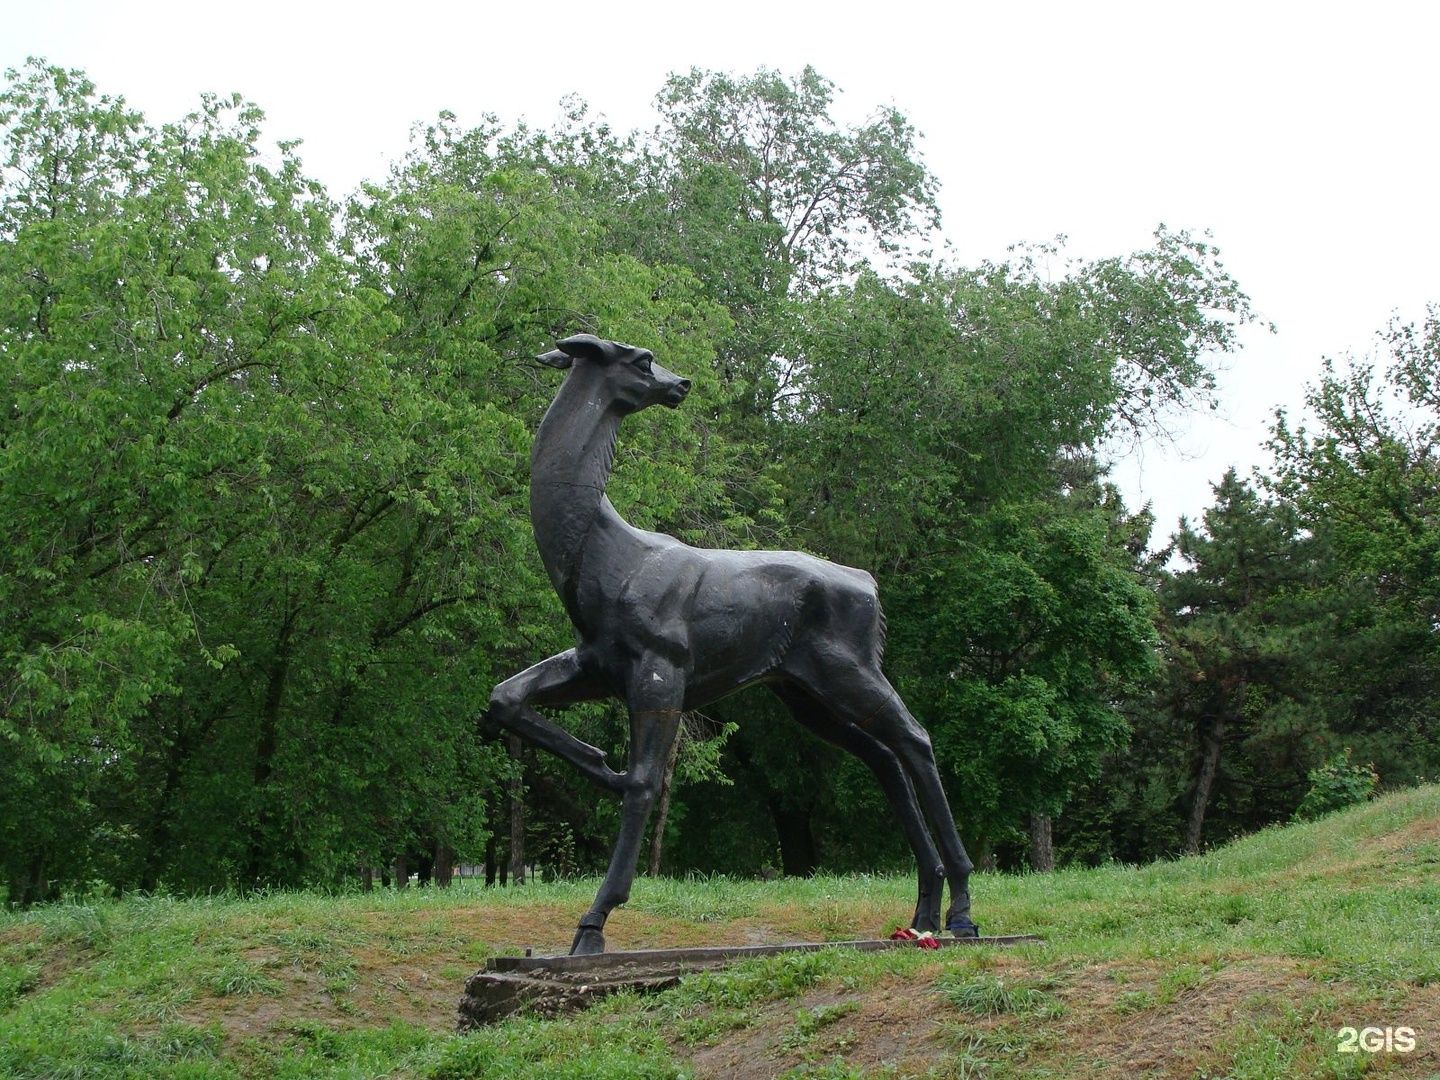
[[723, 620], [667, 627]]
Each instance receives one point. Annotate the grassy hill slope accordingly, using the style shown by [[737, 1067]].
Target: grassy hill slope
[[1244, 962]]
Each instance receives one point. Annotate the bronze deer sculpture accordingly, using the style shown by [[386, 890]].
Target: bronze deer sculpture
[[666, 627]]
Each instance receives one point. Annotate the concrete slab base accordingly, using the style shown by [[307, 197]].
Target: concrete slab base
[[554, 985]]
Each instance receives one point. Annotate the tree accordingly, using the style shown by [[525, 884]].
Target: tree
[[806, 191], [1299, 626], [1022, 644], [762, 194], [1233, 620], [817, 188], [120, 335], [1365, 480], [267, 485], [941, 431]]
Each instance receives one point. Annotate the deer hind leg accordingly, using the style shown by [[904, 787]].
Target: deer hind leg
[[861, 695], [555, 682], [898, 790], [893, 725], [654, 725]]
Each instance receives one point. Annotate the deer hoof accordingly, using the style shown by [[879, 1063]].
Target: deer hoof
[[925, 920], [589, 941]]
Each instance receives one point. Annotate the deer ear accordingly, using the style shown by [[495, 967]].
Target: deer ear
[[556, 359], [587, 347]]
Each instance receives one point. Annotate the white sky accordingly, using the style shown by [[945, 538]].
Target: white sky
[[1303, 136]]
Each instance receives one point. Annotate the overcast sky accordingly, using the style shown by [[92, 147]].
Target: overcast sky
[[1303, 137]]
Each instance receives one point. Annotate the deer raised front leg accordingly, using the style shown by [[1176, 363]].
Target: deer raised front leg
[[555, 682]]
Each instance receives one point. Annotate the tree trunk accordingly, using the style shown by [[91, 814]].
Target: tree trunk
[[444, 864], [263, 834], [517, 814], [797, 841], [491, 855], [1042, 843], [662, 811], [1209, 769], [402, 872], [160, 821], [984, 856], [367, 879], [29, 887]]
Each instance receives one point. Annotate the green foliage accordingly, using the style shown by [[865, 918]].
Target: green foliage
[[810, 1021], [814, 187], [967, 408], [263, 466], [1338, 783], [1299, 622], [532, 1049], [16, 980], [1236, 619], [267, 486], [1020, 648], [1364, 481]]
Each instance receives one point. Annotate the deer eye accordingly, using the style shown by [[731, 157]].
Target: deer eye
[[645, 364]]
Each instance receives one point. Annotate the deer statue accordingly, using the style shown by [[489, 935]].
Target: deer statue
[[666, 627]]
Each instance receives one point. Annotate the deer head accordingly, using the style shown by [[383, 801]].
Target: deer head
[[627, 376]]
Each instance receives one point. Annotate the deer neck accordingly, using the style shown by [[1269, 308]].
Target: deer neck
[[570, 465]]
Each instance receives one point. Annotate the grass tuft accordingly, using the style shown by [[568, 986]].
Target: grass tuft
[[990, 995]]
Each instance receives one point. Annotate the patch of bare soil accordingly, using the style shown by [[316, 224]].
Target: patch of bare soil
[[1411, 852], [20, 935], [834, 922], [381, 989], [895, 1024], [1404, 855], [55, 961], [1194, 1029], [1117, 1020]]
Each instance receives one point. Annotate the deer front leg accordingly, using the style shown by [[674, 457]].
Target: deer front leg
[[557, 681], [652, 731]]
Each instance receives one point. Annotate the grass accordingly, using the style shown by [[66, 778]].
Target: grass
[[1244, 962]]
